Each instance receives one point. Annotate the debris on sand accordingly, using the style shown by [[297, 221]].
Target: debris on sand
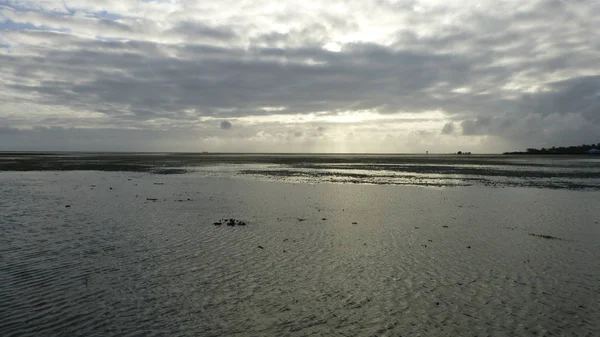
[[549, 237], [67, 206], [151, 199], [230, 222], [300, 219], [324, 219], [444, 226], [261, 247], [355, 223]]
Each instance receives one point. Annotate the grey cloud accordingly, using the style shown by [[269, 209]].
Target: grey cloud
[[194, 29], [579, 95], [366, 76], [448, 128], [472, 127], [104, 139], [225, 125]]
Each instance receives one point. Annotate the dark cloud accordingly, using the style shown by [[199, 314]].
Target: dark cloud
[[225, 125], [364, 77], [448, 128], [578, 95]]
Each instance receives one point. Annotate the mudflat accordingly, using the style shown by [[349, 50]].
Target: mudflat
[[122, 252]]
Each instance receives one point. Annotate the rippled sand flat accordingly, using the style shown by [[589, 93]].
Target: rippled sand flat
[[336, 259]]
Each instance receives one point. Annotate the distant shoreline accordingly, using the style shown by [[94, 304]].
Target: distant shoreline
[[584, 149], [521, 153]]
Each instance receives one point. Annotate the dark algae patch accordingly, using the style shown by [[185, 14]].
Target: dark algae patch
[[230, 222]]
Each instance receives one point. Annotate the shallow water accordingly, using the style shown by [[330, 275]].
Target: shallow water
[[580, 172], [381, 263]]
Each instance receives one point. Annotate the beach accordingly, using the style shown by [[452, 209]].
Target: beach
[[330, 247]]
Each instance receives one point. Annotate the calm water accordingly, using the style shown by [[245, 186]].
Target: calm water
[[336, 259], [556, 172]]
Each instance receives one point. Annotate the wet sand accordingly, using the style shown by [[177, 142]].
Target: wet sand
[[136, 253]]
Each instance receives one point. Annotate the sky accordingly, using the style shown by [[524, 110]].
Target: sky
[[384, 76]]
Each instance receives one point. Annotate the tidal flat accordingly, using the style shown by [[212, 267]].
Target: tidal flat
[[126, 245]]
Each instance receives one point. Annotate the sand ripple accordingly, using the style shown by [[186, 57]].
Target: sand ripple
[[386, 261]]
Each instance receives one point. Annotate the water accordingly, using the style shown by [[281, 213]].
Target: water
[[387, 260], [556, 172]]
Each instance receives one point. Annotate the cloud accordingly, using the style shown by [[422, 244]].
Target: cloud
[[225, 125], [520, 73], [448, 128]]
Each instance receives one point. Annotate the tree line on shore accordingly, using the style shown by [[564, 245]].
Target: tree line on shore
[[577, 149]]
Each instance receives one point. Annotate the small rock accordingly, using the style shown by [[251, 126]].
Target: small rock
[[67, 206], [469, 247], [217, 223], [261, 247], [355, 223], [324, 219], [444, 226]]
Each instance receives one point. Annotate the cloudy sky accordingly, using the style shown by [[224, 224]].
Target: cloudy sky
[[299, 76]]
